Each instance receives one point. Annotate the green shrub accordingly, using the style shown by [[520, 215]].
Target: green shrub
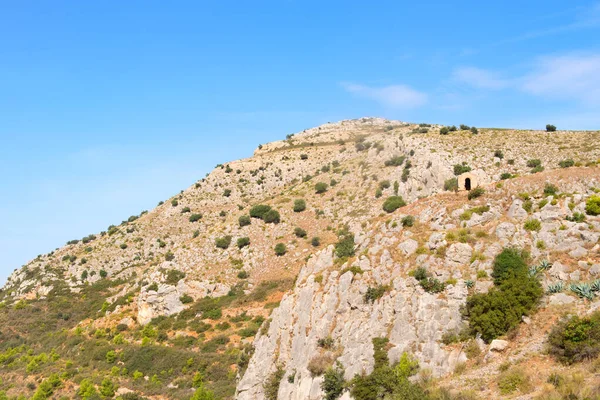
[[395, 161], [299, 232], [244, 220], [280, 249], [505, 175], [475, 193], [195, 217], [550, 128], [333, 384], [451, 185], [512, 380], [259, 211], [153, 287], [375, 292], [299, 205], [316, 241], [550, 189], [227, 192], [223, 242], [566, 163], [474, 130], [243, 242], [186, 299], [515, 294], [534, 163], [174, 276], [272, 217], [185, 210], [408, 221], [393, 203], [460, 169], [444, 130], [242, 275], [321, 187], [345, 245], [499, 154], [271, 386], [169, 256], [532, 224], [592, 205], [576, 339], [387, 382]]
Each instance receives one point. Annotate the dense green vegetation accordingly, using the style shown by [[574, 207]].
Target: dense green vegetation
[[576, 339]]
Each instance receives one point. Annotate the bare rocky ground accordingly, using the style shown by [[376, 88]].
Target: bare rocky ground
[[164, 261]]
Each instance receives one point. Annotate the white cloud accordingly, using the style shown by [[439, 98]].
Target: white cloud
[[575, 77], [479, 78], [395, 96]]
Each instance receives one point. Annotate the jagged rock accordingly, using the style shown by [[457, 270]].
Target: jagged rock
[[516, 211], [578, 252], [498, 345], [505, 230], [409, 246], [437, 239], [559, 299], [458, 254]]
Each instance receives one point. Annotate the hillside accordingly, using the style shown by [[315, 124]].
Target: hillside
[[259, 277]]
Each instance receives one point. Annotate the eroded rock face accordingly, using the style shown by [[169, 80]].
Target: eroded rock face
[[413, 320]]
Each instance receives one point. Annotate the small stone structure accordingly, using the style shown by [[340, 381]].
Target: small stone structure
[[467, 181]]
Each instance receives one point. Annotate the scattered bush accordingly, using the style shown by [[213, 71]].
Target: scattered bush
[[299, 205], [592, 205], [243, 242], [259, 211], [576, 339], [566, 163], [512, 380], [532, 224], [395, 161], [174, 276], [345, 245], [534, 163], [460, 169], [186, 299], [375, 293], [550, 128], [280, 249], [333, 384], [244, 220], [223, 242], [408, 221], [393, 203], [505, 175], [321, 187], [272, 217], [451, 185], [474, 130], [475, 193], [499, 154], [444, 130], [271, 386], [299, 232], [316, 241], [195, 217], [550, 189]]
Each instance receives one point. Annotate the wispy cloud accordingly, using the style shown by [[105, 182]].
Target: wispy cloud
[[574, 77], [479, 78], [394, 96], [562, 77]]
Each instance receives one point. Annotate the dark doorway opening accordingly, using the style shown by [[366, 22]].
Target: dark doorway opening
[[468, 183]]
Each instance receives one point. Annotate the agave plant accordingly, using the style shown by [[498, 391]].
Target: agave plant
[[544, 265], [595, 285], [469, 283], [533, 270], [583, 290], [556, 287]]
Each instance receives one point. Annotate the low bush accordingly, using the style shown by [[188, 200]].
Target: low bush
[[333, 384], [272, 217], [223, 242], [475, 193], [460, 169], [514, 379], [299, 232], [244, 220], [566, 163], [243, 242], [259, 211], [319, 364], [321, 187], [534, 163], [316, 242], [550, 189], [195, 217], [576, 339], [393, 203], [408, 221], [395, 161], [271, 386], [592, 205], [299, 205], [550, 128], [532, 224], [186, 299], [451, 185], [375, 292], [280, 249], [345, 245]]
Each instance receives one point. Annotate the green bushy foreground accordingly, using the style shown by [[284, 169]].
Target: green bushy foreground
[[515, 293], [41, 340], [576, 339]]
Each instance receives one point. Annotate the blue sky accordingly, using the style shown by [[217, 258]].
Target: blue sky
[[108, 107]]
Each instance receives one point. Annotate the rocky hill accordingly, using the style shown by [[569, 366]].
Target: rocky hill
[[272, 272]]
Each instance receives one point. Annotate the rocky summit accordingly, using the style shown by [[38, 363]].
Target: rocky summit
[[363, 259]]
